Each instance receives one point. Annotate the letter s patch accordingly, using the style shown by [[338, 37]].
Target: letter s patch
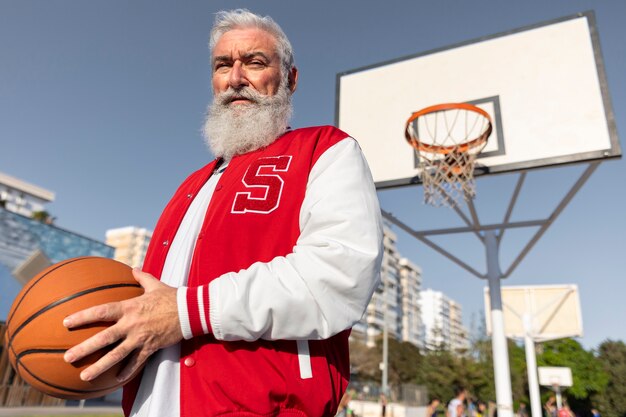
[[264, 185]]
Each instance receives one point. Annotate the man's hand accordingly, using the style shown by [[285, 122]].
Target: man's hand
[[142, 325]]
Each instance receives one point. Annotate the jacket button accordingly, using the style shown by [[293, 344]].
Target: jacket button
[[189, 362], [219, 187], [166, 242], [189, 195]]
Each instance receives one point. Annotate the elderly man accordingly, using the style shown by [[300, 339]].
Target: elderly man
[[266, 256]]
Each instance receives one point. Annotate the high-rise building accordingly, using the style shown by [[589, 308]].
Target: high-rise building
[[410, 286], [443, 322], [130, 243], [459, 334], [21, 197], [395, 301]]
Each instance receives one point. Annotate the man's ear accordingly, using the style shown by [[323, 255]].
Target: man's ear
[[293, 79]]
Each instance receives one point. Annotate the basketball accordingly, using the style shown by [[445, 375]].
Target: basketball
[[36, 339]]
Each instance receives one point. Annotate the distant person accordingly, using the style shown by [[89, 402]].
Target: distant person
[[522, 411], [456, 406], [565, 411], [481, 409], [470, 410], [383, 403], [595, 412], [432, 409], [550, 407]]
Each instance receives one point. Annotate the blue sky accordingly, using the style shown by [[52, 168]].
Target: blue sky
[[102, 102]]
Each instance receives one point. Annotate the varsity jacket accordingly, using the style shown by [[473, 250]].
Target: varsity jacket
[[265, 334]]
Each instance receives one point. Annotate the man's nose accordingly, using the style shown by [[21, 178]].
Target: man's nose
[[237, 78]]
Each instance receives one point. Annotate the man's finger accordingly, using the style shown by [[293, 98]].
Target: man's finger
[[104, 312], [117, 354], [147, 281], [134, 363], [96, 342]]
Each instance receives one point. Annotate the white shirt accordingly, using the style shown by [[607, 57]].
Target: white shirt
[[158, 393]]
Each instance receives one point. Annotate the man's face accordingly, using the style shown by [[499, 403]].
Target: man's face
[[247, 58]]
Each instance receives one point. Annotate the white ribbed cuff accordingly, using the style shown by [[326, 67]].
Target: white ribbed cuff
[[183, 312]]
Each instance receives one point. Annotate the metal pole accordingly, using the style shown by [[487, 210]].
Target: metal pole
[[531, 368], [504, 396], [559, 402]]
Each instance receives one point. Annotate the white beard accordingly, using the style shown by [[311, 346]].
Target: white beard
[[237, 129]]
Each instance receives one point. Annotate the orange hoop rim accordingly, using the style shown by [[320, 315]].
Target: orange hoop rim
[[444, 150]]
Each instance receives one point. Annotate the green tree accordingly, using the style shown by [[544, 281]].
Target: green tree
[[483, 385], [364, 362], [612, 401], [439, 374], [405, 361], [42, 216], [589, 377], [519, 373]]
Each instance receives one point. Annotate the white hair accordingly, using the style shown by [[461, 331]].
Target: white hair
[[242, 18]]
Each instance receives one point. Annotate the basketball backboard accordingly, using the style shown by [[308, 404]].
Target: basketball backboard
[[553, 311], [550, 376], [544, 87]]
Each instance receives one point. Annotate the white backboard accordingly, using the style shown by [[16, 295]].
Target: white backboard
[[544, 87], [553, 311], [555, 375]]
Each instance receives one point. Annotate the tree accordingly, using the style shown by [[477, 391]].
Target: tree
[[364, 362], [42, 216], [519, 373], [439, 374], [589, 377], [405, 361], [612, 401], [484, 384]]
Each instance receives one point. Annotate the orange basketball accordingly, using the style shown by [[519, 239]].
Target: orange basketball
[[36, 338]]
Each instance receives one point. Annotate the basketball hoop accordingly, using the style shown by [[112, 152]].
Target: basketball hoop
[[447, 138]]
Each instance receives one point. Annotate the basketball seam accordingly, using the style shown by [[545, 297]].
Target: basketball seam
[[59, 302], [77, 391], [57, 266]]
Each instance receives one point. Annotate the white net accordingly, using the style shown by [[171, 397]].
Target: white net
[[446, 143]]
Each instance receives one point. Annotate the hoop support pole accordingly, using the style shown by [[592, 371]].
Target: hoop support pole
[[509, 210], [568, 197], [559, 401], [430, 243], [474, 214], [502, 372], [498, 226], [531, 367], [473, 226]]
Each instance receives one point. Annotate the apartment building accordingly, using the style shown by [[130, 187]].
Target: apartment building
[[21, 197], [130, 243], [395, 303], [443, 322]]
